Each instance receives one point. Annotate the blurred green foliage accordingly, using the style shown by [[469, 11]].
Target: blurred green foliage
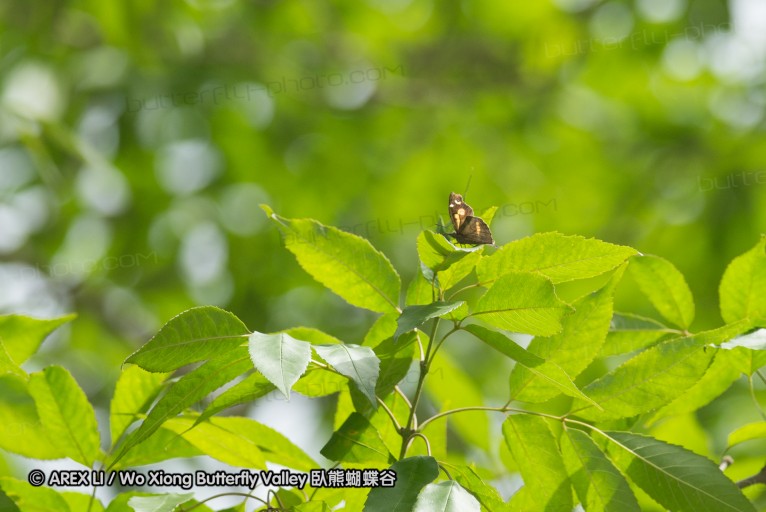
[[137, 140]]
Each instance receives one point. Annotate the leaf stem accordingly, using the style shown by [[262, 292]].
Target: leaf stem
[[412, 421], [487, 408], [390, 414]]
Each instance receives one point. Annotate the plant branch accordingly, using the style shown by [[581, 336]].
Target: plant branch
[[484, 408], [758, 478], [425, 440], [439, 344], [412, 421], [390, 414], [404, 397]]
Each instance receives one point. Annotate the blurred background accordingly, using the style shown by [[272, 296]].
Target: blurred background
[[137, 140]]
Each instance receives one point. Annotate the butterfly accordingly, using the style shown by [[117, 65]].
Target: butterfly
[[468, 229]]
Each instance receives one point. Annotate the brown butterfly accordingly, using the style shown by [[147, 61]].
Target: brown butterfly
[[468, 229]]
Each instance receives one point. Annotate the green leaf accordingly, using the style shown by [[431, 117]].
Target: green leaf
[[219, 441], [742, 286], [451, 387], [357, 441], [383, 328], [133, 394], [745, 433], [665, 287], [717, 379], [194, 335], [545, 370], [190, 388], [20, 422], [80, 501], [540, 463], [7, 365], [415, 316], [346, 264], [160, 446], [599, 485], [488, 214], [320, 382], [673, 476], [522, 302], [23, 335], [280, 358], [446, 496], [395, 361], [313, 506], [419, 291], [573, 349], [314, 336], [159, 503], [629, 332], [433, 249], [655, 376], [385, 427], [344, 407], [33, 499], [558, 257], [65, 413], [487, 495], [358, 363], [412, 475], [745, 360], [120, 502], [458, 265], [247, 390]]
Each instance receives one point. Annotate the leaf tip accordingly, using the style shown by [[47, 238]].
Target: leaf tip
[[269, 212]]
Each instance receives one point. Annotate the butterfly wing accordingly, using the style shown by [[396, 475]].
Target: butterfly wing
[[474, 231], [458, 211]]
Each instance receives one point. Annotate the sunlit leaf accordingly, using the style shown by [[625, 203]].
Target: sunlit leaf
[[23, 335], [280, 358], [656, 376], [412, 475], [629, 332], [346, 264], [742, 286], [487, 495], [65, 413], [522, 302], [247, 390], [189, 389], [675, 477], [545, 370], [450, 387], [415, 316], [558, 257], [357, 441], [717, 379], [159, 503], [533, 446], [135, 390], [573, 349], [358, 363], [446, 496], [665, 287], [194, 335], [599, 485], [746, 433], [33, 499]]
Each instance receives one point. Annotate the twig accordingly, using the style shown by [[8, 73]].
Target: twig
[[758, 478]]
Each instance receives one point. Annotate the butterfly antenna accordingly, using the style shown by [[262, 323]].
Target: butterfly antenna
[[468, 184], [440, 226]]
